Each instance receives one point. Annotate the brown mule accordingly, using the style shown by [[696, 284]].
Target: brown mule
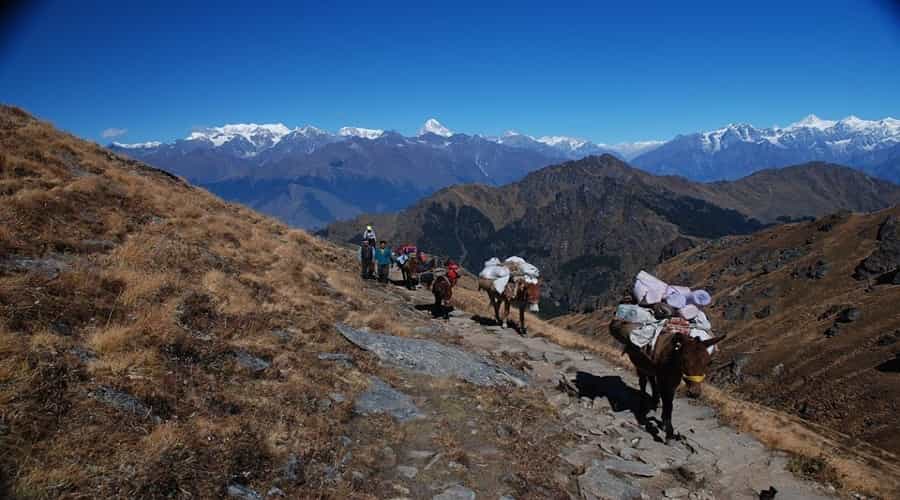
[[409, 269], [442, 289], [518, 292], [674, 357]]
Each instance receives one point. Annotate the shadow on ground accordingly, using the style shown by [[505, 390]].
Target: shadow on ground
[[484, 321]]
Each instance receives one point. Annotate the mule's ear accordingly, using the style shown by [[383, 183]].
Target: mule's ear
[[715, 340]]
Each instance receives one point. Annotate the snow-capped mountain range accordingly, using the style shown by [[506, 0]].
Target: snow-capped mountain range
[[737, 150], [725, 153], [314, 175], [251, 139]]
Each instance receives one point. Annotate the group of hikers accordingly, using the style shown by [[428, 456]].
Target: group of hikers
[[376, 259], [372, 257]]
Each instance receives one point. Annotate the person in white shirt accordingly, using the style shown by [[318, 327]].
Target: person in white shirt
[[369, 235]]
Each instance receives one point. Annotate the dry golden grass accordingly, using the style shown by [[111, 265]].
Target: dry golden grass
[[161, 285]]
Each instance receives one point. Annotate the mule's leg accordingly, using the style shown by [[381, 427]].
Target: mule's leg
[[522, 329], [505, 313], [654, 397], [667, 396], [495, 303], [643, 410]]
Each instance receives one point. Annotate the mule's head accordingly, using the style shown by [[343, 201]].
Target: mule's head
[[532, 293], [695, 361]]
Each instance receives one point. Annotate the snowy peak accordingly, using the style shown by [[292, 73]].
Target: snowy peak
[[364, 133], [139, 145], [812, 121], [571, 143], [807, 133], [309, 131], [630, 150], [432, 126], [260, 136]]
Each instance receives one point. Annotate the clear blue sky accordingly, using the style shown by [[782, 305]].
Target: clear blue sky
[[628, 71]]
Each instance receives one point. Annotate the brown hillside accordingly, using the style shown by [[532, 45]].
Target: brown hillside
[[591, 224], [154, 340]]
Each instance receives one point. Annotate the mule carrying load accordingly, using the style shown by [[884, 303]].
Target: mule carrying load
[[659, 306], [514, 269], [511, 281], [668, 338]]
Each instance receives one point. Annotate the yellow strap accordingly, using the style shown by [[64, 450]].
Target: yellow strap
[[695, 378]]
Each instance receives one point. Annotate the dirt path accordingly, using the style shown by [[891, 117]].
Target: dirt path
[[590, 439]]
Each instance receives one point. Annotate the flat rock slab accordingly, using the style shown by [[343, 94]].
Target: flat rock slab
[[407, 471], [628, 467], [554, 358], [580, 455], [50, 267], [242, 492], [456, 493], [122, 401], [382, 398], [432, 358], [251, 362], [597, 483]]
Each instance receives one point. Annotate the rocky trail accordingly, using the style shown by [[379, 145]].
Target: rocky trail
[[459, 390]]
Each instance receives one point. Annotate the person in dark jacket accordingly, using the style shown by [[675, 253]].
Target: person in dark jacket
[[383, 259], [366, 260]]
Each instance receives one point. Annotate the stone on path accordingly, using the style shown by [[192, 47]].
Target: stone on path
[[432, 358], [554, 358], [580, 455], [420, 454], [628, 467], [456, 493], [676, 492], [251, 362], [382, 398], [242, 492], [334, 356], [597, 483], [407, 471], [122, 401]]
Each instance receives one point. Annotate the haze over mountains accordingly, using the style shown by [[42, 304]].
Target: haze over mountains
[[591, 224], [309, 177]]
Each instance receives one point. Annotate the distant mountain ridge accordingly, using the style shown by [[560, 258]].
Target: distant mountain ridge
[[738, 150], [263, 137], [309, 177], [591, 224]]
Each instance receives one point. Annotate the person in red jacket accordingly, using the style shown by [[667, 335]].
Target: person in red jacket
[[452, 272]]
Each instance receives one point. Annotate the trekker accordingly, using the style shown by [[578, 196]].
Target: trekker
[[383, 258], [366, 259], [369, 235], [452, 272]]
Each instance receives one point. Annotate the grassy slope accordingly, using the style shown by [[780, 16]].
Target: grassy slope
[[161, 286]]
